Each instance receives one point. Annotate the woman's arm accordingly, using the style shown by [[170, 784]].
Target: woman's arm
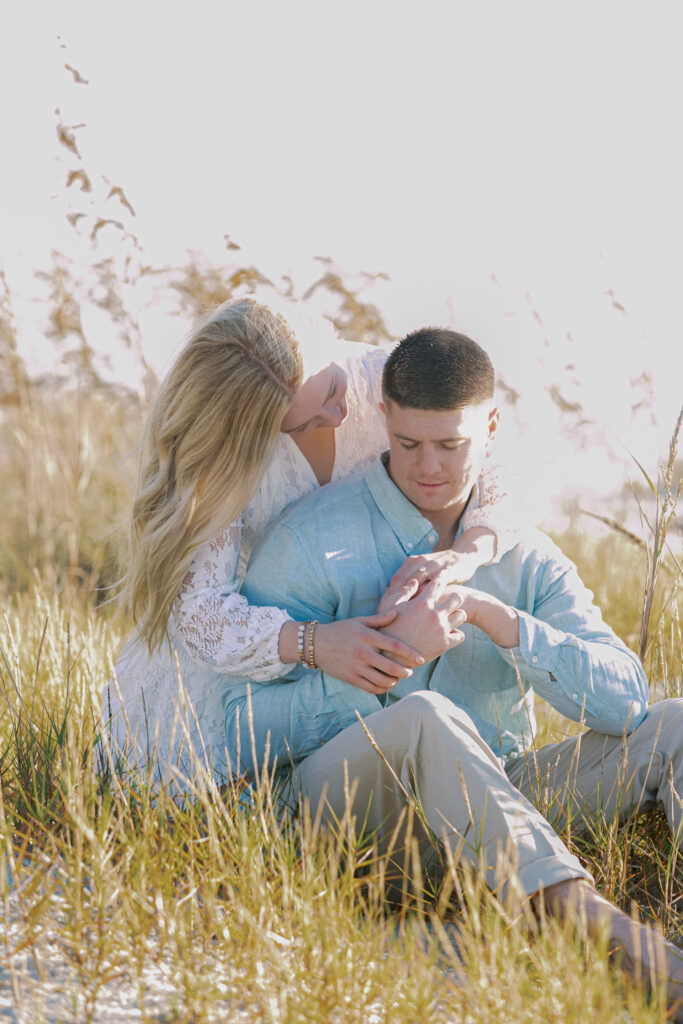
[[492, 526], [223, 631], [216, 624], [498, 509]]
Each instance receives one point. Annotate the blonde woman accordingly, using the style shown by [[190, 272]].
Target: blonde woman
[[249, 419]]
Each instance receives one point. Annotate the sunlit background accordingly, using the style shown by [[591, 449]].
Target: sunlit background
[[511, 169]]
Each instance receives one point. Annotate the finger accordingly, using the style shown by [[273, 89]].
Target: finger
[[382, 682], [456, 638], [379, 619], [433, 589], [387, 667], [405, 571], [450, 600], [371, 687], [393, 647], [456, 618], [398, 580], [404, 593]]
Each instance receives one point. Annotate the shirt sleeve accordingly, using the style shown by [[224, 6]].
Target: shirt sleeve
[[571, 657], [498, 507], [300, 585], [217, 625]]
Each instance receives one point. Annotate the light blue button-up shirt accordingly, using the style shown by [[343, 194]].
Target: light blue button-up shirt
[[331, 557]]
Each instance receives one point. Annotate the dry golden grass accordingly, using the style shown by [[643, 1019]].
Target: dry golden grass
[[120, 902]]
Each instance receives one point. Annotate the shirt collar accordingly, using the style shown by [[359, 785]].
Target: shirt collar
[[408, 524]]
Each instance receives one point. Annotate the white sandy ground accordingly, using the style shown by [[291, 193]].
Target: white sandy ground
[[41, 981], [43, 987]]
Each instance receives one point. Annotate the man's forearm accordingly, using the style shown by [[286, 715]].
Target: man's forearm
[[499, 621]]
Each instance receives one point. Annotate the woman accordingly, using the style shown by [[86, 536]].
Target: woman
[[248, 420]]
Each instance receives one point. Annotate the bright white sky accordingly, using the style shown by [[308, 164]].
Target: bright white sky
[[502, 162]]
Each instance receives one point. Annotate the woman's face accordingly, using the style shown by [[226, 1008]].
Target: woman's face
[[319, 402]]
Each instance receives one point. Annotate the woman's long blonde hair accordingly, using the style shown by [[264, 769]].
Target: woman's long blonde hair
[[209, 438]]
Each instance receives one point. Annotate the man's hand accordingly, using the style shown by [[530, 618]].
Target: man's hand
[[450, 606], [429, 620]]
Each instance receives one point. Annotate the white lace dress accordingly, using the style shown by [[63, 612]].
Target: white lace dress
[[214, 632]]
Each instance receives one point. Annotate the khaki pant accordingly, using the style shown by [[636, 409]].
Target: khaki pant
[[594, 774], [431, 748]]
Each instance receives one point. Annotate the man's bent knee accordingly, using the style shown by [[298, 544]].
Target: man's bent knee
[[666, 719], [427, 706]]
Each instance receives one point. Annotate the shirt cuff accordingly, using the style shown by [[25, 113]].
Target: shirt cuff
[[538, 648]]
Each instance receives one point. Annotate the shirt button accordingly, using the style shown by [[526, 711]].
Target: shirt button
[[432, 538], [575, 696], [534, 658], [409, 545]]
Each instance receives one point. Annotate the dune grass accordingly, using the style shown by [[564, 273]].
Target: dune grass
[[121, 901]]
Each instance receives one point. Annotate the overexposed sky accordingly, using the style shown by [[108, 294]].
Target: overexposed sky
[[511, 166]]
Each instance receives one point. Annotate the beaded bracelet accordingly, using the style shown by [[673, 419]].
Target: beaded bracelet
[[310, 651], [300, 642]]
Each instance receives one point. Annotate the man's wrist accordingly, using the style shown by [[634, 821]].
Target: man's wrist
[[498, 620], [395, 635]]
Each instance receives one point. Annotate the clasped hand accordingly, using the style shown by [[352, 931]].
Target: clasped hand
[[428, 616], [375, 652], [445, 567]]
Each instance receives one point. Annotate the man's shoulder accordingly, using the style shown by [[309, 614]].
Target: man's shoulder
[[534, 543], [535, 554], [330, 501], [530, 572]]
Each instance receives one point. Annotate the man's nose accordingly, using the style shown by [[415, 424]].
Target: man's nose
[[430, 462]]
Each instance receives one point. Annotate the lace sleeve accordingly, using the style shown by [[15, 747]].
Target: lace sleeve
[[499, 508], [216, 624], [373, 362]]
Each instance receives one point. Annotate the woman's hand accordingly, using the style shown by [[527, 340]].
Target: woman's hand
[[474, 548], [353, 650], [438, 567]]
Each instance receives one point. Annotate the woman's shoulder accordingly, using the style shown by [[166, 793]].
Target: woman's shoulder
[[357, 357], [364, 365]]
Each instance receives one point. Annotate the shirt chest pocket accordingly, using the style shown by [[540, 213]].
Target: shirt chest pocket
[[358, 595], [472, 668], [488, 672]]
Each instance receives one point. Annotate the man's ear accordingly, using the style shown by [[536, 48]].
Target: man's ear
[[494, 420], [383, 409]]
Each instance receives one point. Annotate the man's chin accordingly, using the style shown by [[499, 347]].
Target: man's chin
[[434, 502]]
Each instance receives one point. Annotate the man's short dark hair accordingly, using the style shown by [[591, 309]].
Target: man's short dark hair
[[435, 368]]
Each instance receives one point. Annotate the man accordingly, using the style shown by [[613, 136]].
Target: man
[[457, 732]]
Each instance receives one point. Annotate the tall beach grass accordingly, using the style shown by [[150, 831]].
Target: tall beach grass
[[120, 899]]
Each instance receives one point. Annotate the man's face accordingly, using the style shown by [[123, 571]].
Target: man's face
[[437, 455]]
